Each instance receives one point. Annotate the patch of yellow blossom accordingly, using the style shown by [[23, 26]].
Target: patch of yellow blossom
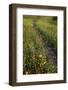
[[40, 56]]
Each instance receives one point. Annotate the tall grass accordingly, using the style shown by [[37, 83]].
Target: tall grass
[[47, 26], [35, 60]]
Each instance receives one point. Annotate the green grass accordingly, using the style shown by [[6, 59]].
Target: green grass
[[37, 31], [48, 28]]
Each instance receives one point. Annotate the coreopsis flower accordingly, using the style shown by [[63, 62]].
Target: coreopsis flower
[[40, 56], [44, 62]]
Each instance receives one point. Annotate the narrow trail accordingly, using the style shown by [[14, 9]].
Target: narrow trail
[[50, 55], [52, 59]]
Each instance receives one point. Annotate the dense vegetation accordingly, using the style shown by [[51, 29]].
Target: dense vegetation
[[39, 33]]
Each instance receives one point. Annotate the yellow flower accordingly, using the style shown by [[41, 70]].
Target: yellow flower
[[44, 62], [40, 56]]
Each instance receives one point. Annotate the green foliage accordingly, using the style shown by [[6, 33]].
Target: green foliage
[[48, 30], [37, 29], [49, 67]]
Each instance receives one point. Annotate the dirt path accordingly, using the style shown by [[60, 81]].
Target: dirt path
[[52, 59], [50, 55]]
